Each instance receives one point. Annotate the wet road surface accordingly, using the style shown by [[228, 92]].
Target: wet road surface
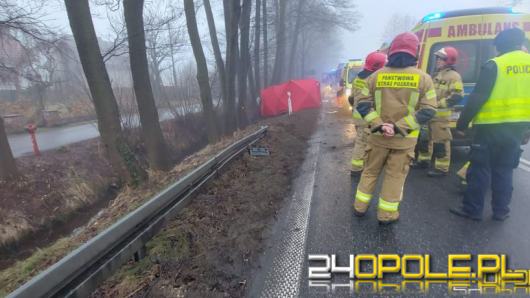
[[425, 227]]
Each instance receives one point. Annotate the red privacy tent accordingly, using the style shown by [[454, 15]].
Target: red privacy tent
[[305, 94]]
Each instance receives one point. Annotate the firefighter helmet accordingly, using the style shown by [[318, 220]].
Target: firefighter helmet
[[448, 54], [375, 61], [405, 43]]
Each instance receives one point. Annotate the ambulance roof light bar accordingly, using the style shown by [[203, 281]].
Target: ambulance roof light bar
[[469, 12]]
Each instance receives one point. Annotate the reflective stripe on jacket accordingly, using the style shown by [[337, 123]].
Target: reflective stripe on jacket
[[510, 98]]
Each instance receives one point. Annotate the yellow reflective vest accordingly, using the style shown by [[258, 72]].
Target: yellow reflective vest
[[510, 98]]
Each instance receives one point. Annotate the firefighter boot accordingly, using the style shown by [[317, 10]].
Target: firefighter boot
[[387, 217], [360, 208]]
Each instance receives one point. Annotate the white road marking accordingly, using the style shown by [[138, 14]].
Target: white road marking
[[283, 278], [525, 162]]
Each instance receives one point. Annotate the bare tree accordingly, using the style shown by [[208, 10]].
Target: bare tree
[[257, 36], [157, 150], [120, 155], [244, 61], [265, 47], [279, 60], [202, 71], [232, 10], [8, 166], [398, 24]]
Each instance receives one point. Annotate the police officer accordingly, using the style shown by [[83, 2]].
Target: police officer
[[373, 62], [499, 108], [398, 99], [449, 91]]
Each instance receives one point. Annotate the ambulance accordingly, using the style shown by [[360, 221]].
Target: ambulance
[[349, 73], [471, 32]]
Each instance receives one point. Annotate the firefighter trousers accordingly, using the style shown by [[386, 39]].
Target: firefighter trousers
[[439, 146], [359, 148], [396, 164]]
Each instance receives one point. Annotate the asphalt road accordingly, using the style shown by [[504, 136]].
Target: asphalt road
[[56, 137], [425, 227]]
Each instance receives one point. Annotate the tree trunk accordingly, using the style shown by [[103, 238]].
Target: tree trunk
[[257, 35], [119, 154], [294, 41], [265, 47], [173, 64], [234, 10], [202, 71], [279, 60], [157, 151], [244, 62], [8, 166], [252, 105], [216, 50]]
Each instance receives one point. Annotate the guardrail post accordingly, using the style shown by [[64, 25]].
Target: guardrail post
[[140, 254]]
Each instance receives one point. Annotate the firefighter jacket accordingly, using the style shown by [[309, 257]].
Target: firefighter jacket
[[402, 96], [448, 85]]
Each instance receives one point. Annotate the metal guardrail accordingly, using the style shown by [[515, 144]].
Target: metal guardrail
[[79, 273]]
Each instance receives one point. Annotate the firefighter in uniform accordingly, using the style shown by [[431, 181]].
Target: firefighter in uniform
[[499, 108], [399, 98], [449, 91], [373, 62]]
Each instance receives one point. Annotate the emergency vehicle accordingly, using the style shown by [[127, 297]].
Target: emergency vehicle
[[471, 32], [349, 73]]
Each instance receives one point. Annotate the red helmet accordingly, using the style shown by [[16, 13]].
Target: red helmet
[[405, 43], [375, 61], [448, 54]]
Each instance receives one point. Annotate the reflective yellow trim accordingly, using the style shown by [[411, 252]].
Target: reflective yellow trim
[[424, 156], [442, 162], [357, 163], [388, 206], [371, 116], [411, 122], [414, 134], [510, 98], [458, 86], [431, 94], [443, 113], [359, 84], [363, 197], [413, 102], [357, 115], [378, 99], [365, 91]]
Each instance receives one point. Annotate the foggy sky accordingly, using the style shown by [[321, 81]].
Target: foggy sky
[[376, 12]]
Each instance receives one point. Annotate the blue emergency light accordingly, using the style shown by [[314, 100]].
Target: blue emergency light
[[432, 16]]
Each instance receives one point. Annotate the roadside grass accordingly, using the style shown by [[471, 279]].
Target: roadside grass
[[22, 271]]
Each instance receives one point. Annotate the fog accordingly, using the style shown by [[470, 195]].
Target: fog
[[375, 14]]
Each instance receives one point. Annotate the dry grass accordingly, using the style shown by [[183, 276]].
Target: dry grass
[[127, 200]]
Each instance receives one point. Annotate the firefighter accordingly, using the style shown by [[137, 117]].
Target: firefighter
[[449, 91], [398, 99], [373, 62], [499, 108]]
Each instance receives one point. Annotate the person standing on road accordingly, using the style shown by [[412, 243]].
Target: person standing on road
[[398, 99], [373, 62], [499, 108], [449, 91]]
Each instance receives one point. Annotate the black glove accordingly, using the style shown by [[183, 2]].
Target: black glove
[[454, 100]]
